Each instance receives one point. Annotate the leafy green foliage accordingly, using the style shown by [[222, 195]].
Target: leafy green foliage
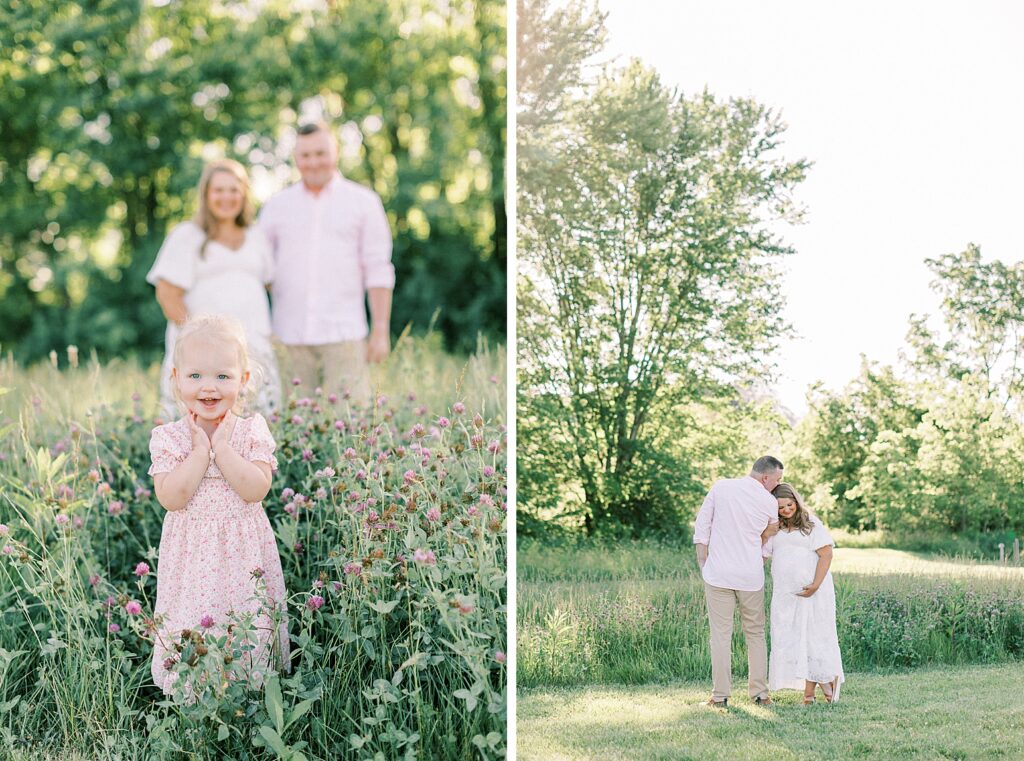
[[111, 108]]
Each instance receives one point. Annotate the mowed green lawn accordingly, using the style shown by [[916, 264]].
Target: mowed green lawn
[[969, 713]]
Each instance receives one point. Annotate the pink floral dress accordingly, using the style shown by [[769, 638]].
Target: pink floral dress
[[209, 550]]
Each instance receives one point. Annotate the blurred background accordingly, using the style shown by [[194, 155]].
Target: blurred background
[[110, 108]]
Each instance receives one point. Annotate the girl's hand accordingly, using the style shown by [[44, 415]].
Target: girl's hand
[[225, 428], [809, 590], [200, 440]]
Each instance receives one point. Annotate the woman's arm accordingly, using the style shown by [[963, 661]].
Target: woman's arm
[[824, 561], [171, 299]]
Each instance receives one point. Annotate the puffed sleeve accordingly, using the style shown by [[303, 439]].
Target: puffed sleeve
[[164, 451], [176, 259], [820, 537], [261, 444]]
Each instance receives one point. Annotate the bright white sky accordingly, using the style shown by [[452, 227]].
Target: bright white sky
[[913, 114]]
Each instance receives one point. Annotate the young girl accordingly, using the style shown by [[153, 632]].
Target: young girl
[[211, 469], [805, 644]]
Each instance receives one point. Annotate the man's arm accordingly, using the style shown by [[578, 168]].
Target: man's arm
[[702, 527], [379, 343]]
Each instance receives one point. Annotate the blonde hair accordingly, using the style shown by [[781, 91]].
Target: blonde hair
[[219, 328], [801, 520], [204, 218]]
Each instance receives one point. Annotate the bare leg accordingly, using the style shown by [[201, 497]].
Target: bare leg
[[809, 688]]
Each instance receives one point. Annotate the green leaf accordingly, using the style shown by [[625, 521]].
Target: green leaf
[[223, 732], [383, 607], [274, 740], [273, 702], [297, 712]]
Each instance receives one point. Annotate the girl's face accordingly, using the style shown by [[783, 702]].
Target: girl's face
[[224, 196], [210, 377], [787, 508]]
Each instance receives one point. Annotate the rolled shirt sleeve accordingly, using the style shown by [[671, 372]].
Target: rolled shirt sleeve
[[705, 517], [375, 247]]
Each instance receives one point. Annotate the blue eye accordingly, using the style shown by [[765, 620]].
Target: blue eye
[[194, 376], [222, 376]]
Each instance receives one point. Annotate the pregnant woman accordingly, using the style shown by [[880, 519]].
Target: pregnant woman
[[805, 644], [218, 263]]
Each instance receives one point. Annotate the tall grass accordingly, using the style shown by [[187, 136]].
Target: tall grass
[[636, 614], [393, 517]]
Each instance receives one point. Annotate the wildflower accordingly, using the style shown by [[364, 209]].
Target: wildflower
[[315, 602], [353, 568], [494, 446], [141, 493], [94, 580], [61, 519], [425, 557], [142, 569], [418, 431], [487, 499], [296, 420], [382, 400], [7, 550], [133, 608], [443, 422], [433, 514], [110, 602], [465, 607], [206, 621], [476, 441], [4, 531], [409, 477], [116, 507], [332, 398], [328, 472], [321, 494], [337, 586], [169, 663], [339, 425], [473, 511], [458, 408], [499, 656], [114, 628], [488, 471], [296, 382], [257, 572], [104, 489], [307, 455], [94, 476], [478, 421]]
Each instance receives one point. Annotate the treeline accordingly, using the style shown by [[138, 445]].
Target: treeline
[[935, 443], [110, 109]]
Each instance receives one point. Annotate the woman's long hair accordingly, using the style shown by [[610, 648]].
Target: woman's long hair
[[204, 218], [801, 520]]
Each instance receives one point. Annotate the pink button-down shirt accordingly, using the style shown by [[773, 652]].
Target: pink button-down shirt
[[329, 249], [730, 522]]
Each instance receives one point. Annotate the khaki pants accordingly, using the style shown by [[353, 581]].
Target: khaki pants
[[721, 607], [338, 368]]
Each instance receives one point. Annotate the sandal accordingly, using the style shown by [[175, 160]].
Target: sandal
[[832, 695]]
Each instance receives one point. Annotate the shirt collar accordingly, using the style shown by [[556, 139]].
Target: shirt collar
[[332, 185]]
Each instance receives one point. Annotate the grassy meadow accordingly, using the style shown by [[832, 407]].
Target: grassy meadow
[[390, 523], [613, 661]]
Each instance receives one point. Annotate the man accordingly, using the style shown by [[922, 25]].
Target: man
[[727, 536], [332, 253]]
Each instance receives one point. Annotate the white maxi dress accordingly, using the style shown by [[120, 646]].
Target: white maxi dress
[[804, 640], [222, 281]]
